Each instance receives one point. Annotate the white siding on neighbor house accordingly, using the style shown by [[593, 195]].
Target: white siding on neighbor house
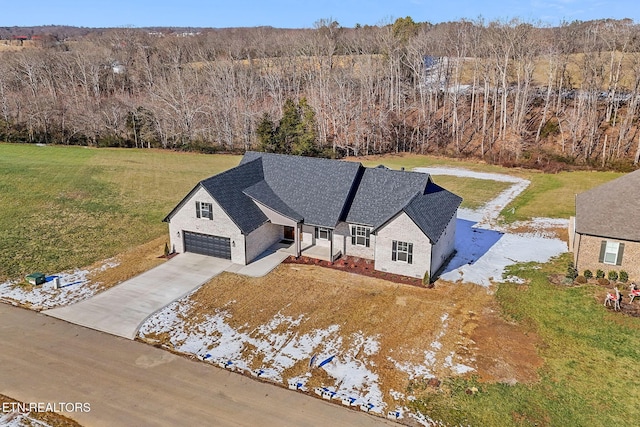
[[184, 219], [260, 239], [403, 229], [444, 246], [342, 242]]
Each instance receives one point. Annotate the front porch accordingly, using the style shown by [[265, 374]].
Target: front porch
[[309, 250]]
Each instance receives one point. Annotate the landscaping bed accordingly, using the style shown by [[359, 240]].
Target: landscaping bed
[[356, 265]]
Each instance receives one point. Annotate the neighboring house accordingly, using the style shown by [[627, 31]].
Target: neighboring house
[[319, 208], [605, 233]]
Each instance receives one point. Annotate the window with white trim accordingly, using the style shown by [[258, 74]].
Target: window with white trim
[[360, 236], [611, 252], [204, 210], [323, 233], [402, 251]]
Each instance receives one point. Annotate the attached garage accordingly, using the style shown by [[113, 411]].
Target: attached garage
[[207, 244]]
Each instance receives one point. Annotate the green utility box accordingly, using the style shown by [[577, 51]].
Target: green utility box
[[36, 278]]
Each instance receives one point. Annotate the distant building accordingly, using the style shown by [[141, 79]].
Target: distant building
[[605, 233]]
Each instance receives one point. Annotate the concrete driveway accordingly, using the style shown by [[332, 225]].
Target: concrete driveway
[[122, 309]]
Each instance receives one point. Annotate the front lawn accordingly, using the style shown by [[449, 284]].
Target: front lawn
[[590, 354]]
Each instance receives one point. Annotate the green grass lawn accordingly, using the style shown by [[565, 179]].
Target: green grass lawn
[[548, 195], [66, 207], [591, 356]]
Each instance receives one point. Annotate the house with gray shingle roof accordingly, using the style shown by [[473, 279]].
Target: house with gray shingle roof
[[605, 233], [319, 208]]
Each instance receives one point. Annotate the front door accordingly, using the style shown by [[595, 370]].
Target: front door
[[289, 233]]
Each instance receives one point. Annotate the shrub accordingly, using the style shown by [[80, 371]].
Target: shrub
[[624, 276], [572, 273], [588, 274], [599, 274], [166, 249], [613, 275], [603, 282], [581, 280], [425, 280]]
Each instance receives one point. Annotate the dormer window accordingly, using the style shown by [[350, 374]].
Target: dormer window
[[204, 210]]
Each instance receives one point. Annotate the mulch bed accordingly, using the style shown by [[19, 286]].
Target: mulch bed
[[626, 307], [364, 267]]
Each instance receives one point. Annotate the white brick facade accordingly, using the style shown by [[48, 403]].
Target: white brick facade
[[444, 246], [185, 219], [342, 242], [260, 239], [402, 228]]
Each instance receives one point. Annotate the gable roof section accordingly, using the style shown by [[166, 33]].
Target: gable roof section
[[433, 210], [226, 188], [316, 189], [383, 193], [611, 209], [262, 193]]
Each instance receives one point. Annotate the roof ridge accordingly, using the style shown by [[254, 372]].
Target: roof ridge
[[232, 170]]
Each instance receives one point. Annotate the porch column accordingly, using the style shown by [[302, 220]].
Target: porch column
[[298, 243], [331, 246]]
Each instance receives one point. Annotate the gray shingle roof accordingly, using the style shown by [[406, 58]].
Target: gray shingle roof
[[317, 189], [433, 210], [261, 192], [323, 192], [227, 188], [611, 209], [382, 193]]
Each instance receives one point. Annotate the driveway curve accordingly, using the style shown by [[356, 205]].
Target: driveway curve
[[122, 309]]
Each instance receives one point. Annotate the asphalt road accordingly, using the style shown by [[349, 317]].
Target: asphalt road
[[128, 383]]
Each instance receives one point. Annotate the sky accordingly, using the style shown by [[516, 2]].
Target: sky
[[301, 13]]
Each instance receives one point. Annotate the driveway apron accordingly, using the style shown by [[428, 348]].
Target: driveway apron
[[122, 309]]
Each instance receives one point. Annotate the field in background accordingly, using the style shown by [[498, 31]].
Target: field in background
[[67, 207], [548, 195]]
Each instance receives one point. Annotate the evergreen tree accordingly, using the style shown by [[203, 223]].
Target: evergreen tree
[[267, 135], [296, 132], [307, 135]]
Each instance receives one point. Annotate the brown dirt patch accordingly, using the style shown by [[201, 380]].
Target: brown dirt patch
[[130, 264], [505, 353], [49, 418], [406, 320]]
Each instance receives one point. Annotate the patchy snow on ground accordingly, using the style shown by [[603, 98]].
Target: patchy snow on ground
[[484, 248], [487, 214], [75, 287], [19, 419], [276, 348], [279, 347]]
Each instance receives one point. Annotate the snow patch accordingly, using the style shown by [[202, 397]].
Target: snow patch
[[75, 287]]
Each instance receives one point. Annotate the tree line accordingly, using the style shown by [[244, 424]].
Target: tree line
[[501, 91]]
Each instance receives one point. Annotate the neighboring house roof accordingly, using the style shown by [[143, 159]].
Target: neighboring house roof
[[611, 209], [433, 210], [317, 189], [382, 193], [323, 192]]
